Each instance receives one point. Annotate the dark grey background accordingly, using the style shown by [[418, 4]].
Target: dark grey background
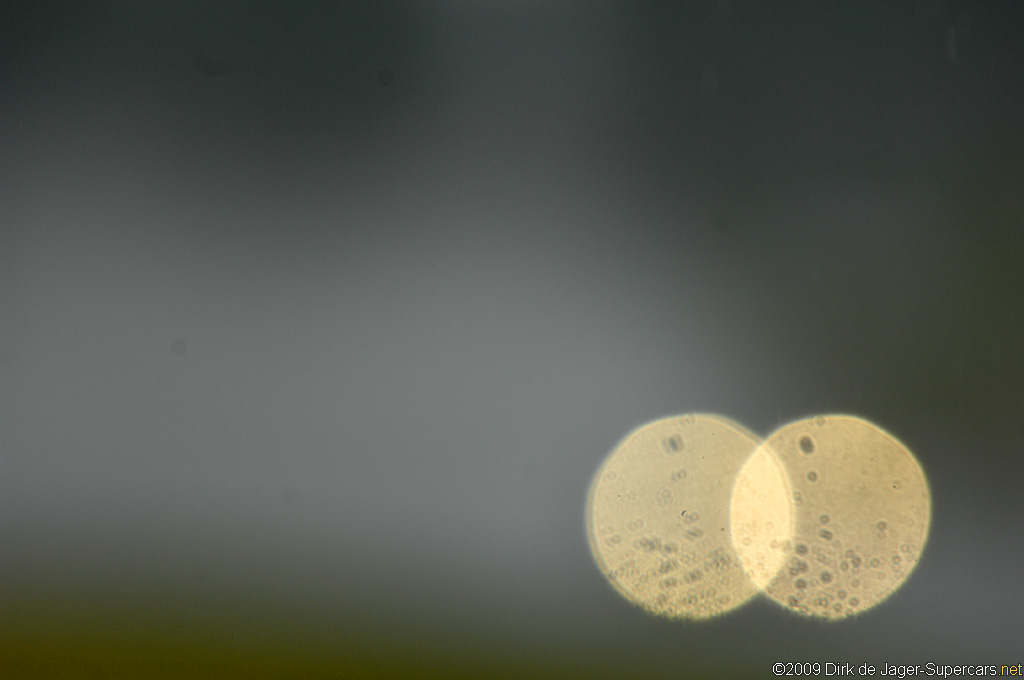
[[325, 313]]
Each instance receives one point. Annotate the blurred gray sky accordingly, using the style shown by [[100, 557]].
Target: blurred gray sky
[[337, 308]]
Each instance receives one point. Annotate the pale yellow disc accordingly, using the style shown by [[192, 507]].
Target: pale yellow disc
[[862, 509], [658, 516]]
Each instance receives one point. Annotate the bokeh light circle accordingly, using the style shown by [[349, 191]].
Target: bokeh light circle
[[658, 516], [861, 508], [691, 516]]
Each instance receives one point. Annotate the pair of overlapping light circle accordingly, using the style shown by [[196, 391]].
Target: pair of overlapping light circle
[[692, 516]]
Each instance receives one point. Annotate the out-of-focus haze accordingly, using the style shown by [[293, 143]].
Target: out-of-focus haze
[[316, 319]]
